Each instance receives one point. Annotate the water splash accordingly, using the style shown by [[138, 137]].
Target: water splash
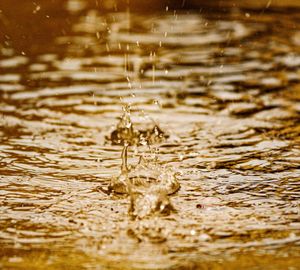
[[126, 133], [148, 184], [238, 127]]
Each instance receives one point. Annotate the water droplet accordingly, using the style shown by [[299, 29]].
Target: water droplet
[[36, 9]]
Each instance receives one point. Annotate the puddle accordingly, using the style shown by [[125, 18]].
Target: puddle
[[214, 110]]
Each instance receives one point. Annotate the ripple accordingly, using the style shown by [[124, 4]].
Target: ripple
[[223, 89]]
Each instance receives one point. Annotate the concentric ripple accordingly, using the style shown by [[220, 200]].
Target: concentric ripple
[[224, 88]]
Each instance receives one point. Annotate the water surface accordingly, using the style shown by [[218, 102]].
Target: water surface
[[224, 87]]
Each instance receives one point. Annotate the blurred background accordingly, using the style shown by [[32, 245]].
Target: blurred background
[[20, 20]]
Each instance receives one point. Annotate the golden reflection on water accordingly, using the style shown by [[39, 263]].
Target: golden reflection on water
[[223, 92]]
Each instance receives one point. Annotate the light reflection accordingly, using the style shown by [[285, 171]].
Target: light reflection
[[223, 87]]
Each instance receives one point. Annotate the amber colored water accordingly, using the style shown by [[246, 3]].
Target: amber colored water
[[224, 87]]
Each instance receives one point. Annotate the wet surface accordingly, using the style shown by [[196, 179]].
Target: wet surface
[[225, 88]]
